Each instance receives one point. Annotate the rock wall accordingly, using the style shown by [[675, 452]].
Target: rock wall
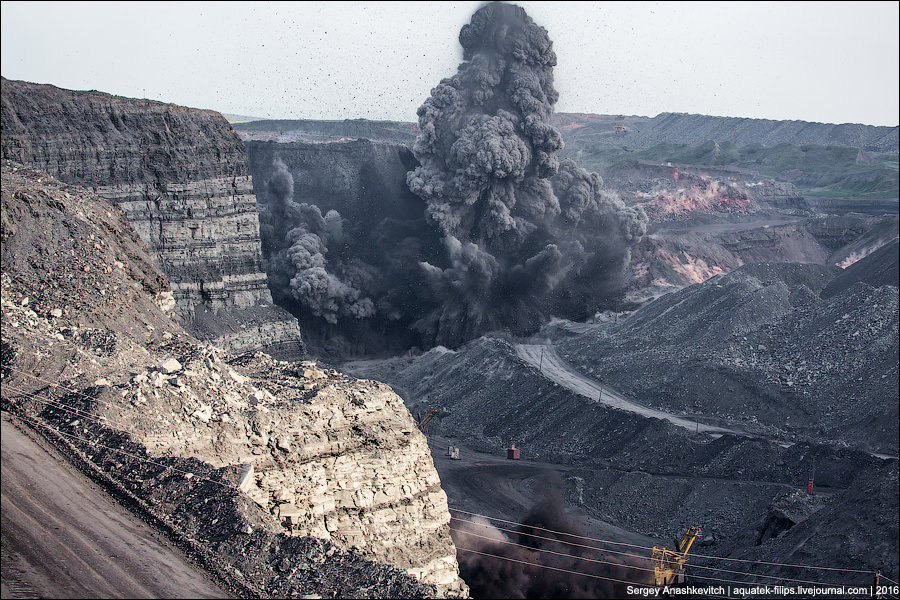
[[182, 178], [328, 456], [302, 451], [361, 179]]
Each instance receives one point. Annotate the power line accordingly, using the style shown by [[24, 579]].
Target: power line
[[581, 574], [75, 411], [583, 558], [546, 566], [100, 421], [714, 579], [513, 531], [867, 572], [643, 557], [53, 384], [552, 531]]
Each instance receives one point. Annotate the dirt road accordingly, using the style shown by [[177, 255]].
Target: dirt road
[[63, 537], [552, 366]]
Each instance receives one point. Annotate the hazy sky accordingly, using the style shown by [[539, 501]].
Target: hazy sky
[[811, 61]]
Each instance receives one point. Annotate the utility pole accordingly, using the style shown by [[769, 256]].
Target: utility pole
[[541, 364], [810, 487]]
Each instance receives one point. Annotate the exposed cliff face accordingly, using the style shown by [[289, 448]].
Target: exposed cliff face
[[676, 255], [182, 178], [360, 179], [235, 456]]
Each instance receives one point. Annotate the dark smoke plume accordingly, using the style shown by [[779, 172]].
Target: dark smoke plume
[[491, 231], [326, 286], [547, 556], [526, 237]]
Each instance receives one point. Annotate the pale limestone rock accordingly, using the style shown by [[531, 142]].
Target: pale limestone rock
[[169, 366], [204, 413], [165, 301], [316, 469], [247, 480]]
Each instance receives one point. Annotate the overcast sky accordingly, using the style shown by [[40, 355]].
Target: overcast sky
[[810, 61]]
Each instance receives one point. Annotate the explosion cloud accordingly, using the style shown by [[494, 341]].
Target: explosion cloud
[[300, 265], [521, 230], [494, 233]]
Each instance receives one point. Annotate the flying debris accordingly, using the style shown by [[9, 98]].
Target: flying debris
[[491, 231], [526, 237]]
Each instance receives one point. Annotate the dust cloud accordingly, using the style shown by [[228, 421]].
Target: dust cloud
[[323, 285], [504, 235], [544, 557], [526, 237]]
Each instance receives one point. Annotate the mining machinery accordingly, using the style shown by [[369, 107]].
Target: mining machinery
[[428, 417], [668, 565]]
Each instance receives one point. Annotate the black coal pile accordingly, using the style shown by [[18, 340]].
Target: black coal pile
[[504, 235], [806, 377], [766, 343], [645, 474]]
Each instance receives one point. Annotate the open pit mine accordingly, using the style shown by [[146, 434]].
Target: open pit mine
[[595, 364]]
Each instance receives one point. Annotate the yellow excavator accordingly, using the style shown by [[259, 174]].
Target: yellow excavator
[[431, 414], [668, 565]]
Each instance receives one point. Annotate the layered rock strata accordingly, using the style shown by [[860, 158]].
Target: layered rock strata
[[328, 456], [181, 176], [304, 452]]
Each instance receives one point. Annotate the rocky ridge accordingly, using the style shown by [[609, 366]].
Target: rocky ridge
[[307, 481], [683, 128], [182, 179]]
